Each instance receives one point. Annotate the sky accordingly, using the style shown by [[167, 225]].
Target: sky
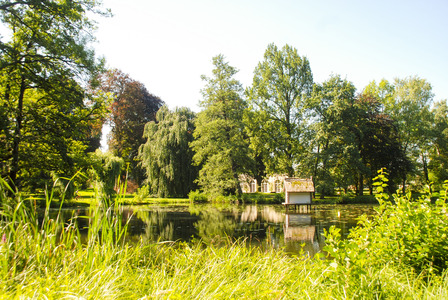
[[167, 45]]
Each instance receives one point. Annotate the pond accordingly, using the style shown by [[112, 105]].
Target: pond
[[260, 225]]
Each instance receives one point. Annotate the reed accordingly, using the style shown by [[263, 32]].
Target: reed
[[42, 257]]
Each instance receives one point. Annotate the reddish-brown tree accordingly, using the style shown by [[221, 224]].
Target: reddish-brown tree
[[132, 107]]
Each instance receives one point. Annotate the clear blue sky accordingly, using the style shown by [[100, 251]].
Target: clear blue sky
[[167, 45]]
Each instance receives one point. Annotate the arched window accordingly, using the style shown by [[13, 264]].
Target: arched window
[[253, 186], [278, 186], [264, 186]]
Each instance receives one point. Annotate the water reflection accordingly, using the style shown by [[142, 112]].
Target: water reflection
[[261, 225]]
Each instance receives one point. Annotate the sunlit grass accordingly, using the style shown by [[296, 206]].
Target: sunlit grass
[[47, 259], [130, 200]]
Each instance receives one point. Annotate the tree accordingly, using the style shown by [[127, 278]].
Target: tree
[[166, 156], [44, 67], [408, 103], [281, 85], [380, 145], [105, 171], [352, 138], [438, 154], [132, 107], [333, 155], [220, 146]]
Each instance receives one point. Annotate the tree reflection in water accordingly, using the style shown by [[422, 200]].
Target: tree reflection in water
[[260, 225], [214, 226]]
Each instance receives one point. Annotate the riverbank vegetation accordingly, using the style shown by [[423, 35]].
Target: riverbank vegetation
[[401, 251]]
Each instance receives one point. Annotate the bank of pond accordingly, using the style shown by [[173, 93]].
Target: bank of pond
[[395, 249]]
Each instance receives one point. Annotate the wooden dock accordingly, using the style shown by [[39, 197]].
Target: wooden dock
[[297, 207]]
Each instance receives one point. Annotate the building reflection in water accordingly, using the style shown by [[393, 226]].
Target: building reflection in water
[[267, 226], [300, 230]]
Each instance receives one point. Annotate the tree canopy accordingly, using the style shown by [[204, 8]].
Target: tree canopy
[[46, 65], [221, 149], [166, 156], [55, 96], [282, 83], [131, 108]]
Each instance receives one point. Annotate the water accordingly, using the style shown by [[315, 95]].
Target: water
[[260, 225]]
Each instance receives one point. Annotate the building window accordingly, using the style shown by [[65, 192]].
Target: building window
[[264, 187], [278, 186], [253, 186]]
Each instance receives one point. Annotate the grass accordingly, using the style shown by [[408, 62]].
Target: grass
[[132, 201], [48, 259], [87, 197], [263, 198], [272, 198]]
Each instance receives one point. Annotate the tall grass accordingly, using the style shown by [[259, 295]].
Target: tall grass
[[45, 258]]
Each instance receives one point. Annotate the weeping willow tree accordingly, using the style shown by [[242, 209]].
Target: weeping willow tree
[[166, 155]]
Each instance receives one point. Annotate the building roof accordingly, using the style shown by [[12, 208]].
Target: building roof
[[298, 185]]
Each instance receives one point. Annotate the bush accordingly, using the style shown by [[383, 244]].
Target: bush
[[224, 199], [197, 196], [405, 233], [106, 169], [142, 193], [343, 199], [279, 198]]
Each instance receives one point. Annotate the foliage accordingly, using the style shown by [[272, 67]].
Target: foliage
[[405, 233], [166, 156], [49, 258], [197, 196], [106, 171], [333, 151], [220, 146], [407, 101], [47, 114], [438, 155], [142, 194], [380, 145], [131, 109], [351, 135], [281, 85]]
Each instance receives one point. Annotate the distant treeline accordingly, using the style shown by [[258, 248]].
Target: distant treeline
[[55, 98]]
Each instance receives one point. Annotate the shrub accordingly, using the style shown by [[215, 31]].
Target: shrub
[[405, 232], [142, 193], [197, 196], [343, 199], [106, 169], [279, 198]]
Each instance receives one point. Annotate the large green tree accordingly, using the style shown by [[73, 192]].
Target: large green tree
[[438, 154], [131, 109], [281, 86], [45, 66], [166, 156], [380, 144], [220, 145], [333, 155], [351, 138], [408, 102]]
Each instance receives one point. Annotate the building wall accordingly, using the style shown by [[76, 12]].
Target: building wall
[[270, 184], [298, 198]]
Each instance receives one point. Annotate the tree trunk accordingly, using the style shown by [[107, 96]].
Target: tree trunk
[[361, 185], [426, 172], [17, 134], [404, 185]]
